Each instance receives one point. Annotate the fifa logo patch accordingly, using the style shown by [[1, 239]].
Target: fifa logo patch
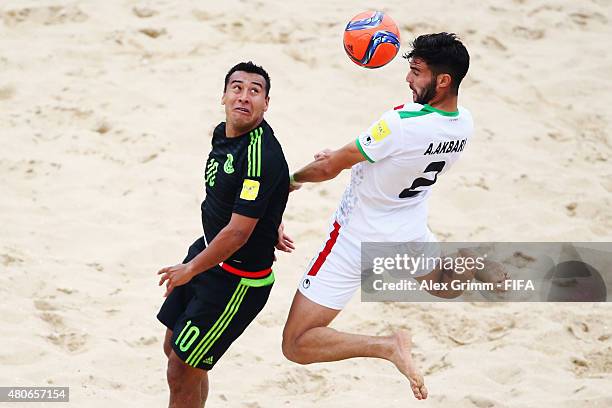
[[250, 189], [380, 131]]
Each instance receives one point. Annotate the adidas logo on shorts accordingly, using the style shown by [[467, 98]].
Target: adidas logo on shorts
[[208, 360]]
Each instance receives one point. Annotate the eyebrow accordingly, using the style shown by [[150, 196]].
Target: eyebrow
[[240, 81], [414, 67]]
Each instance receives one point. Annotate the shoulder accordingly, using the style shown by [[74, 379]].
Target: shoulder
[[466, 115], [392, 117], [408, 107], [464, 112], [268, 150], [219, 130]]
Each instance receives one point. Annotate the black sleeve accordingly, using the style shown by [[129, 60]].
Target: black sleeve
[[259, 183]]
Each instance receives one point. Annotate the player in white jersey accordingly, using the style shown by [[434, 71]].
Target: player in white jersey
[[394, 165]]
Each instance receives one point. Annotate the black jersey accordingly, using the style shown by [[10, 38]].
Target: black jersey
[[247, 175]]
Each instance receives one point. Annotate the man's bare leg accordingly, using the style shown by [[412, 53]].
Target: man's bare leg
[[307, 339], [204, 380]]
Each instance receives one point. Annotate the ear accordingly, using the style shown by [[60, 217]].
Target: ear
[[223, 98], [267, 102], [444, 80]]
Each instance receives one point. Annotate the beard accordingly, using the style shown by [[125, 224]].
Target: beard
[[426, 94]]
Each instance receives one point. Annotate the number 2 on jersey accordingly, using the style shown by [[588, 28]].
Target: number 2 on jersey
[[423, 182]]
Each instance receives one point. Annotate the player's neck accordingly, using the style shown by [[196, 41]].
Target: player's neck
[[233, 131], [447, 104], [230, 131]]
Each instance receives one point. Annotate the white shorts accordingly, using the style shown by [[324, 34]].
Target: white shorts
[[333, 276]]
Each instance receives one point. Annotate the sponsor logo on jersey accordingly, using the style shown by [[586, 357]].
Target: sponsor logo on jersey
[[250, 189], [380, 130], [452, 146], [211, 172]]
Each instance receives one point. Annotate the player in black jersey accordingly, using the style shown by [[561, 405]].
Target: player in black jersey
[[225, 280]]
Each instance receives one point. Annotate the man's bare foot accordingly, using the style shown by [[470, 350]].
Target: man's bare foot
[[495, 273], [402, 358]]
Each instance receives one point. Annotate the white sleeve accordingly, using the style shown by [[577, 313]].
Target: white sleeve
[[382, 139]]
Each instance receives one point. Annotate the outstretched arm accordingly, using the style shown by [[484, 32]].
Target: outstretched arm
[[231, 238], [329, 164]]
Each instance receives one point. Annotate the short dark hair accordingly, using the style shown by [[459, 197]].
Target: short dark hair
[[251, 68], [444, 53]]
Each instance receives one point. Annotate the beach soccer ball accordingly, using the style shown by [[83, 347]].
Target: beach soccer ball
[[371, 39]]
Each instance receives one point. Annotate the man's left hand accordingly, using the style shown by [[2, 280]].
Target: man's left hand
[[174, 276], [285, 242]]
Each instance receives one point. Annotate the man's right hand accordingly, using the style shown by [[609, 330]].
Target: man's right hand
[[323, 154], [293, 186]]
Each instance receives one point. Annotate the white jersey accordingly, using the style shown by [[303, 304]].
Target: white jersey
[[406, 151]]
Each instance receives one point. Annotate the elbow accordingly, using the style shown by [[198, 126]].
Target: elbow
[[238, 237]]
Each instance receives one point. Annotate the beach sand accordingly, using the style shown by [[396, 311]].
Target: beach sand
[[106, 115]]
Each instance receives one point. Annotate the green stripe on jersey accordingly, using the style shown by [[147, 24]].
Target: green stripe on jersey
[[430, 108], [425, 110], [254, 153], [259, 153]]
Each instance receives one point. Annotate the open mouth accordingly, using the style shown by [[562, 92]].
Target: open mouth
[[242, 110]]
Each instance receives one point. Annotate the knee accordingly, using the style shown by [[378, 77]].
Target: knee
[[176, 373], [291, 350], [167, 349]]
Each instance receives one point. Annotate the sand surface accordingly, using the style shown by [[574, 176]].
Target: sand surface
[[106, 113]]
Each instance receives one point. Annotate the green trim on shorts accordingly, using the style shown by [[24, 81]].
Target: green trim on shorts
[[219, 327], [258, 283]]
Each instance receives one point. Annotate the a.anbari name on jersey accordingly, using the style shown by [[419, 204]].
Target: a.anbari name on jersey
[[453, 146]]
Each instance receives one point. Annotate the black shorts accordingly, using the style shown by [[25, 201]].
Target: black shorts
[[207, 314]]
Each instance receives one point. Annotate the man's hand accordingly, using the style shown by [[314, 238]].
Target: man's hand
[[293, 185], [323, 154], [174, 276], [285, 242]]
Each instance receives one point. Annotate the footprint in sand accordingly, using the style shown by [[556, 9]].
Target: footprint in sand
[[438, 366], [528, 33], [144, 341], [44, 15], [587, 19], [494, 44], [483, 402], [144, 12], [72, 342], [300, 381], [595, 364], [505, 375], [61, 336], [7, 92]]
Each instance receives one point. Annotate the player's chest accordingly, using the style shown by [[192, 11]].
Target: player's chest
[[224, 168]]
